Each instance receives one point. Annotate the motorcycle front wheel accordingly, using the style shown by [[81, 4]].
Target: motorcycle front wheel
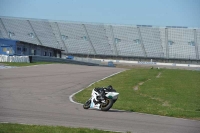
[[87, 104], [107, 105]]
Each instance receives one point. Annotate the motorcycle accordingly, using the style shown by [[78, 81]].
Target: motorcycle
[[105, 103]]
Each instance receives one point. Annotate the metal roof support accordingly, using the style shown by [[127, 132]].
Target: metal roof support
[[1, 35], [162, 54], [113, 38], [61, 38], [4, 28], [34, 32], [89, 39], [166, 43], [143, 48], [196, 44], [55, 45]]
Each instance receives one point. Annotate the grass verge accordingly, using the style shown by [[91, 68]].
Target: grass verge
[[19, 128], [163, 92]]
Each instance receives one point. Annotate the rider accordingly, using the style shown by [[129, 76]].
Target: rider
[[102, 92]]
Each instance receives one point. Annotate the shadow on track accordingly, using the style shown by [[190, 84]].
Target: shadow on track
[[112, 110]]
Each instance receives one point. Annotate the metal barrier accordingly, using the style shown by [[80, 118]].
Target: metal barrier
[[89, 60], [61, 60], [36, 58]]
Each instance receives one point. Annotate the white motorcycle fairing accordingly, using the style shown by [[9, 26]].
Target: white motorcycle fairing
[[94, 95], [111, 95], [102, 99]]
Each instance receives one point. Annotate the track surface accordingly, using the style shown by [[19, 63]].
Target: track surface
[[40, 95]]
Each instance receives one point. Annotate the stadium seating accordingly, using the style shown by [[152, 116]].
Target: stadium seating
[[56, 32], [126, 44], [75, 38], [110, 39], [18, 29], [97, 35], [44, 33], [102, 39], [152, 42], [182, 46], [3, 33]]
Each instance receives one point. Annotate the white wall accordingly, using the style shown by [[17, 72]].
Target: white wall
[[5, 58]]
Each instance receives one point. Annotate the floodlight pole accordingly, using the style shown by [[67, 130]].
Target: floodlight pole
[[34, 32], [196, 44], [142, 44], [161, 45], [61, 37], [55, 45], [113, 39], [89, 39], [166, 43]]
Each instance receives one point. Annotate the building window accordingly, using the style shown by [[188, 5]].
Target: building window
[[50, 54], [31, 35], [170, 43], [45, 53], [117, 40], [19, 49], [33, 52], [137, 41], [192, 43], [64, 37], [24, 49]]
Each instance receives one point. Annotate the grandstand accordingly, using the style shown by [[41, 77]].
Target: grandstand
[[78, 38]]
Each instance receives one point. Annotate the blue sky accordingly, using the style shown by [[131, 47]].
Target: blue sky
[[141, 12]]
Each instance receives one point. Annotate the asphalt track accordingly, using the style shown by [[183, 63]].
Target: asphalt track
[[40, 95]]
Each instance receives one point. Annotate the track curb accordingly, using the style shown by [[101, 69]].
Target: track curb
[[71, 96]]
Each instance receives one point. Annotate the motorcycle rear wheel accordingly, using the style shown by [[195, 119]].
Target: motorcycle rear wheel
[[106, 106], [87, 104]]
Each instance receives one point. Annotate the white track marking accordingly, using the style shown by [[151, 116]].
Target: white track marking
[[71, 96]]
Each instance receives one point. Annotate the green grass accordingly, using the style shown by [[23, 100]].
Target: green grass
[[20, 64], [175, 93], [18, 128]]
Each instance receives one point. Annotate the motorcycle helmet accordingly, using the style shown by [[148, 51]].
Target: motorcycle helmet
[[110, 87]]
